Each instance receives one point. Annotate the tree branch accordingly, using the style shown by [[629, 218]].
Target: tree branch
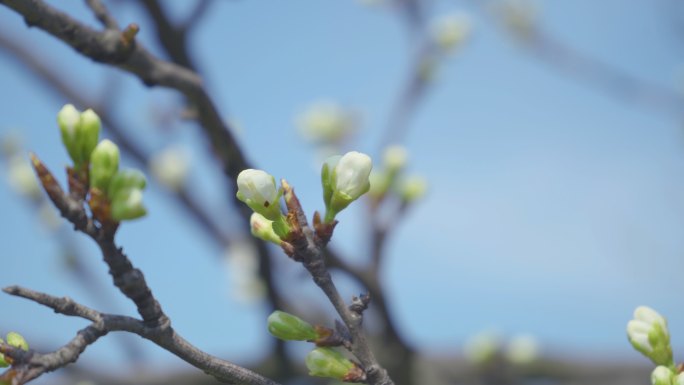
[[36, 364], [306, 246]]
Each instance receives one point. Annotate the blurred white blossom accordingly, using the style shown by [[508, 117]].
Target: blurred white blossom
[[482, 347], [22, 178], [326, 123], [450, 32], [394, 157], [412, 188], [522, 349], [49, 216], [171, 166], [242, 262]]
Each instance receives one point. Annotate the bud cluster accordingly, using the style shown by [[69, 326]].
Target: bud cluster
[[99, 162], [649, 335]]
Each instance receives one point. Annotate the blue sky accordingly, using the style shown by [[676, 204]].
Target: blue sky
[[554, 209]]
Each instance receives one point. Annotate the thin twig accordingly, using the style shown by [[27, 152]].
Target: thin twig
[[307, 247], [196, 15]]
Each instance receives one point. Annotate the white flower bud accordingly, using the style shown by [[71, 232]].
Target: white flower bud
[[257, 189], [351, 174], [649, 335], [344, 180]]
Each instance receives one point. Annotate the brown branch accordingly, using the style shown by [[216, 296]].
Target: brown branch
[[31, 365], [128, 279], [306, 246]]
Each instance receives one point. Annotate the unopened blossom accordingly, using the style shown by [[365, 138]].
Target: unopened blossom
[[649, 335], [344, 180]]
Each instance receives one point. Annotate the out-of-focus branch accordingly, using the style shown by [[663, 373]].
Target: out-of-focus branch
[[119, 50], [583, 67], [172, 38], [29, 365], [196, 15]]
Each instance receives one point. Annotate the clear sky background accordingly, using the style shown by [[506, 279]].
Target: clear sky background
[[554, 208]]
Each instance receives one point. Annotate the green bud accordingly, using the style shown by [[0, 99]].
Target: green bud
[[126, 179], [68, 120], [16, 340], [89, 133], [290, 328], [661, 375], [262, 228], [80, 132], [127, 204], [327, 362], [326, 177], [3, 363], [104, 163]]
